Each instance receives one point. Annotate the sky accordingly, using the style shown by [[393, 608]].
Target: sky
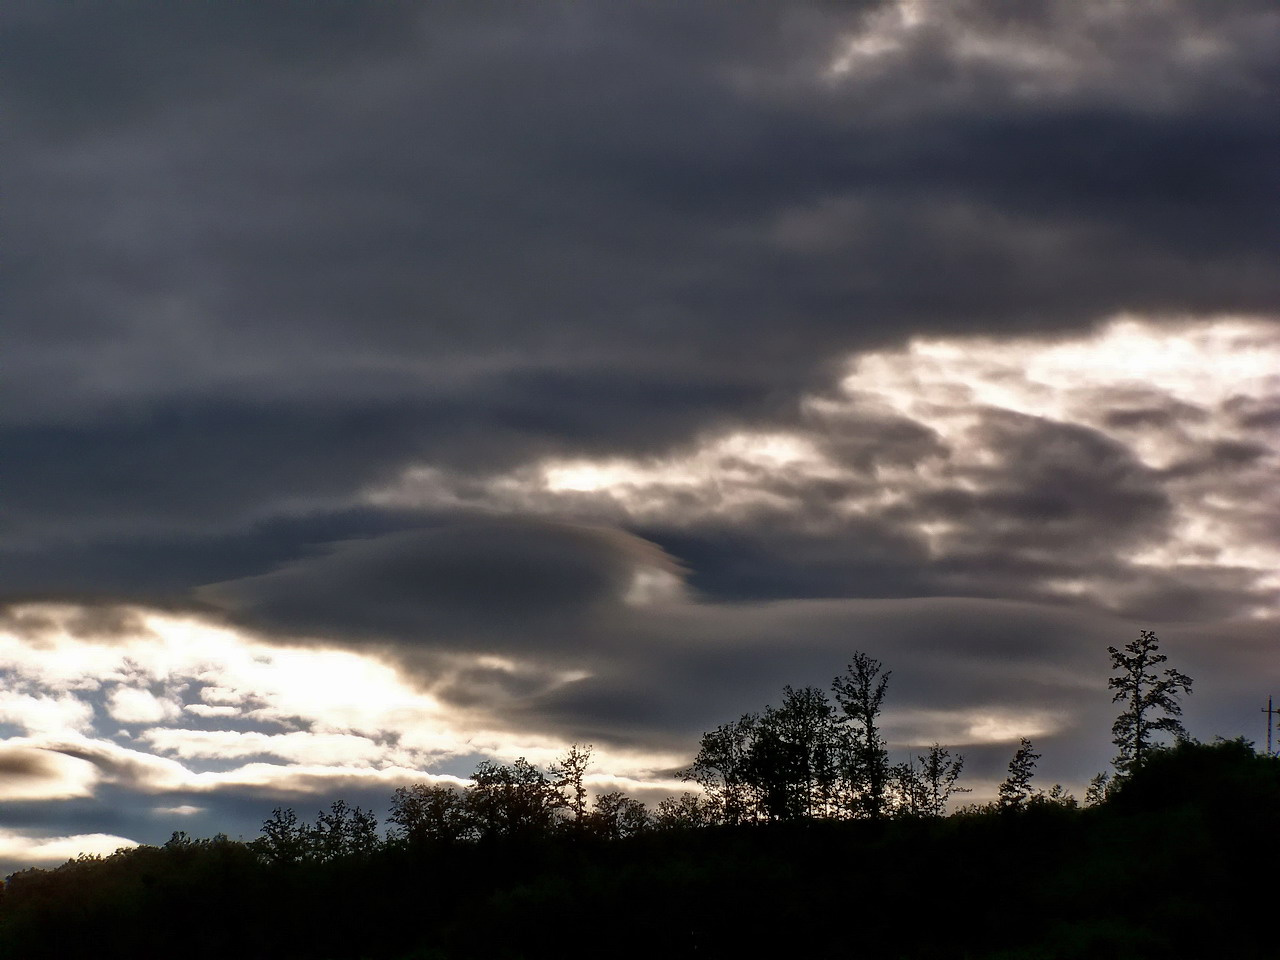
[[391, 387]]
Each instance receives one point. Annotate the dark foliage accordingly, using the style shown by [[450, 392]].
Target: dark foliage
[[1016, 790], [1159, 870], [860, 693], [809, 758], [1160, 865]]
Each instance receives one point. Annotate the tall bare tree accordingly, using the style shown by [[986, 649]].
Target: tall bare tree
[[570, 773], [859, 691], [1150, 700]]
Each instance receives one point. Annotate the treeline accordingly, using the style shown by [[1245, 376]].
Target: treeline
[[810, 757], [1165, 866], [818, 756], [503, 802], [800, 817]]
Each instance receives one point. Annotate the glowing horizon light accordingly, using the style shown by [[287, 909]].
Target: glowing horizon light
[[727, 454], [965, 728], [306, 718], [586, 477], [20, 846]]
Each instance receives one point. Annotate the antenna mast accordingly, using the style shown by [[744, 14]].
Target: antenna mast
[[1270, 713]]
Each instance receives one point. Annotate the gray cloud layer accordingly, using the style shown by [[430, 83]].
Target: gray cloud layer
[[264, 259]]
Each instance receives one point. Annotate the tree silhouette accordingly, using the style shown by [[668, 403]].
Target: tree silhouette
[[344, 831], [792, 757], [722, 769], [938, 776], [907, 795], [339, 833], [429, 813], [512, 801], [570, 779], [860, 693], [614, 816], [923, 786], [1058, 796], [1016, 791], [283, 839], [685, 812], [1099, 787], [1144, 694]]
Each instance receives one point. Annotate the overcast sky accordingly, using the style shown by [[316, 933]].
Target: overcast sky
[[393, 386]]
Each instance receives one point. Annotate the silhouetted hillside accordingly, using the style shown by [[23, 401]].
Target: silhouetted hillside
[[1165, 867]]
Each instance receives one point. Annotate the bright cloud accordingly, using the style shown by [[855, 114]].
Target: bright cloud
[[954, 440], [296, 747], [137, 705], [18, 846], [182, 810], [1085, 48], [1187, 402], [45, 713], [309, 719], [964, 728]]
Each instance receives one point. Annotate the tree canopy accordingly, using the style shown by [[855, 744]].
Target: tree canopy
[[1151, 703]]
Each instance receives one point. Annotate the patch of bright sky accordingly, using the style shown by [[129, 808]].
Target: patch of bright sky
[[883, 33], [1197, 373], [45, 713], [1127, 363], [323, 716], [729, 469], [962, 728], [138, 705], [1089, 48], [182, 810]]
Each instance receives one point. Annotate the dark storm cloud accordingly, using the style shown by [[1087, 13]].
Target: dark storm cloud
[[267, 256], [1055, 485], [853, 558], [947, 655], [163, 569], [208, 464], [249, 203], [263, 258], [479, 585], [135, 771], [1054, 501], [1049, 503], [958, 666], [82, 622], [100, 66], [19, 765], [658, 674]]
